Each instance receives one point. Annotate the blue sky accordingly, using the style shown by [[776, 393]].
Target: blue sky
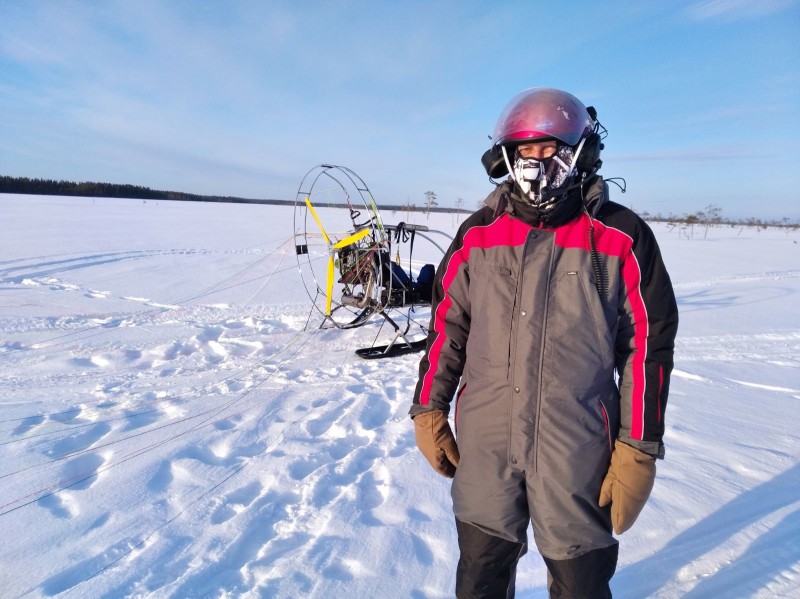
[[701, 98]]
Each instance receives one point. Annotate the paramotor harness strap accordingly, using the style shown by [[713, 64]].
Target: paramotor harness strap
[[405, 235]]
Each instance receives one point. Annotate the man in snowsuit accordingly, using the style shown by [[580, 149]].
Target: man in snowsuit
[[546, 292]]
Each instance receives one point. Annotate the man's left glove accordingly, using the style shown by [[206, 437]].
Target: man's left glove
[[627, 485], [436, 441]]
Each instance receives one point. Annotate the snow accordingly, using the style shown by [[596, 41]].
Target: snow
[[169, 428]]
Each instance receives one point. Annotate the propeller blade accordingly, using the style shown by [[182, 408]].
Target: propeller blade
[[316, 218], [329, 290], [350, 239]]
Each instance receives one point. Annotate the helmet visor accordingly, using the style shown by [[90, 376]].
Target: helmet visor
[[542, 112]]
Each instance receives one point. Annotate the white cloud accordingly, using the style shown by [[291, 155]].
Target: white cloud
[[736, 9]]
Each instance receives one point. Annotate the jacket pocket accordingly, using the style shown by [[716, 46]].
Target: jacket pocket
[[458, 400], [579, 344], [607, 424], [493, 289]]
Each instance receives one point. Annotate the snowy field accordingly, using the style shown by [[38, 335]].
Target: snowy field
[[169, 429]]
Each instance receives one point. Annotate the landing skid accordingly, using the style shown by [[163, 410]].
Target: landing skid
[[392, 350], [399, 345]]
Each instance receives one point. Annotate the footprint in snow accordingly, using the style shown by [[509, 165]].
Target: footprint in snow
[[369, 496], [342, 473], [318, 426], [67, 416], [415, 514], [27, 425], [204, 455], [358, 389], [83, 363], [225, 425], [237, 324], [376, 412], [12, 346], [99, 522], [81, 473], [300, 469], [404, 443], [113, 388], [235, 502], [131, 355], [139, 418], [178, 349], [422, 550], [59, 507], [78, 442], [210, 334], [324, 556], [163, 477], [97, 294]]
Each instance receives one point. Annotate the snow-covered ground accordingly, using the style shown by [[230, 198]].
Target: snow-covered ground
[[169, 429]]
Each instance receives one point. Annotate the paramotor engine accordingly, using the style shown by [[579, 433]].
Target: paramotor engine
[[344, 254]]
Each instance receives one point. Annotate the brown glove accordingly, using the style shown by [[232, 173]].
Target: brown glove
[[436, 442], [627, 485]]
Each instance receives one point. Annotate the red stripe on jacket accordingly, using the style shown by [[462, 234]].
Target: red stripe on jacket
[[503, 231], [613, 242]]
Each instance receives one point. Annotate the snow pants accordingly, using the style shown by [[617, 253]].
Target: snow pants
[[488, 564], [555, 486]]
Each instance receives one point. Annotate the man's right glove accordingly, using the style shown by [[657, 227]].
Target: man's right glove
[[436, 441], [627, 485]]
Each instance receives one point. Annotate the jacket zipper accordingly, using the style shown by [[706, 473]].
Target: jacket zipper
[[510, 372], [515, 314], [541, 359]]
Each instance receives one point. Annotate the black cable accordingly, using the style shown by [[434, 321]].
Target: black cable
[[615, 180], [600, 274]]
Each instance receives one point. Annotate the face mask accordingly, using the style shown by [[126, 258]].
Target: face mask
[[534, 176]]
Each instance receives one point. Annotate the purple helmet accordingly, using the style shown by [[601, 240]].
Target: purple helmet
[[543, 112], [536, 114]]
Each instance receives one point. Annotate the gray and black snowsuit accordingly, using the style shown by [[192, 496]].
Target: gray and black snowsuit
[[529, 326]]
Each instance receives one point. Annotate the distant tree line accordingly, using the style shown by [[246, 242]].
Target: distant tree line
[[711, 216], [24, 185]]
